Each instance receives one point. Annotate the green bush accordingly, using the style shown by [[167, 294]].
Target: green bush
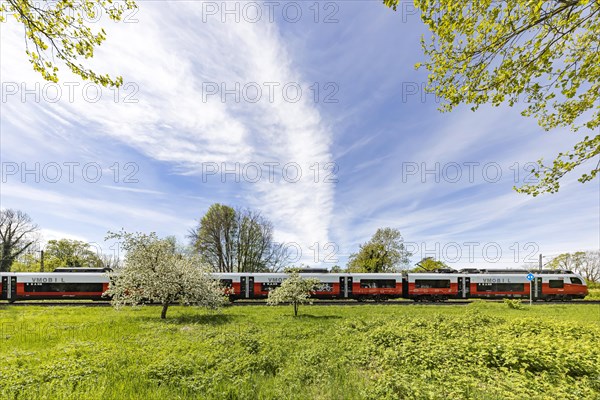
[[593, 285], [515, 304]]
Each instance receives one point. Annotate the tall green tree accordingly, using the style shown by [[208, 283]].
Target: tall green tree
[[214, 237], [18, 233], [429, 264], [28, 262], [241, 240], [544, 54], [70, 253], [336, 269], [61, 30], [384, 252]]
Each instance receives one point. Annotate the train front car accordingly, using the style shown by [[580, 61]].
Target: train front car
[[563, 285], [46, 286], [545, 285]]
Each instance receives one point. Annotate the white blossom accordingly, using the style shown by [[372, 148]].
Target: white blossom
[[295, 290], [155, 272]]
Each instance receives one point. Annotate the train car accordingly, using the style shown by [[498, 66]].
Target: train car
[[498, 285], [433, 286], [545, 285], [52, 285], [258, 285], [377, 287], [562, 286]]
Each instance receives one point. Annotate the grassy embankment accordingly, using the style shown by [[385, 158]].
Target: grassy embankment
[[480, 351]]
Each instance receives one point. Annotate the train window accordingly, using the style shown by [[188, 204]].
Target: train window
[[63, 287], [432, 283], [556, 283], [377, 283], [324, 287], [576, 281], [227, 283], [500, 287], [268, 286]]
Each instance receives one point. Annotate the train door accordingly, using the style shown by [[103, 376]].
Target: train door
[[243, 287], [4, 294], [467, 289], [251, 287], [538, 287], [343, 288], [461, 287], [405, 287], [349, 286], [9, 288]]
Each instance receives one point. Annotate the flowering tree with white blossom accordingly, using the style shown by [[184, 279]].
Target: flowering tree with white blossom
[[155, 272], [294, 290]]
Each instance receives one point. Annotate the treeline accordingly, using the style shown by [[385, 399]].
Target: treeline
[[228, 239]]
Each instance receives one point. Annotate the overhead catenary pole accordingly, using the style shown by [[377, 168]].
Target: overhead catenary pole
[[41, 260], [540, 262]]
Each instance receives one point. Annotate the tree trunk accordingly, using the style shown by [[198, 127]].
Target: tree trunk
[[295, 309], [163, 314], [6, 260]]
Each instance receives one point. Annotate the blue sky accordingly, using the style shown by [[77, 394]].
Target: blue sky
[[386, 156]]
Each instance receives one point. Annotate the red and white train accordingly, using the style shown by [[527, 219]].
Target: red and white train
[[438, 286]]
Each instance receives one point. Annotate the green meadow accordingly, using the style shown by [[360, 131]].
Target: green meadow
[[479, 351]]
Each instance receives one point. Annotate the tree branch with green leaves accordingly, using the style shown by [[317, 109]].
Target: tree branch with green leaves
[[61, 30], [544, 53]]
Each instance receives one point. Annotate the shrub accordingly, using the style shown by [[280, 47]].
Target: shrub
[[515, 304]]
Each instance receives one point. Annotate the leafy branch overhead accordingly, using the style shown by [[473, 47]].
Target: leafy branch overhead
[[61, 30], [545, 54]]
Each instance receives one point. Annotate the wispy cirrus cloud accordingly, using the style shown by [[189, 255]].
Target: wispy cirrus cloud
[[171, 119]]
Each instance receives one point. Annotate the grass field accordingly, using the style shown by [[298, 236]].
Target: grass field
[[480, 351]]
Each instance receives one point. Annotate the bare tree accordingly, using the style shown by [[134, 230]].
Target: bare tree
[[237, 240], [585, 263], [590, 267], [17, 234]]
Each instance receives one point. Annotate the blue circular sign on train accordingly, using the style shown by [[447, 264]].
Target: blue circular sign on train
[[530, 277]]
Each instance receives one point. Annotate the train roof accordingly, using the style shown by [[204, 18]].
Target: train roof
[[514, 271], [76, 269]]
